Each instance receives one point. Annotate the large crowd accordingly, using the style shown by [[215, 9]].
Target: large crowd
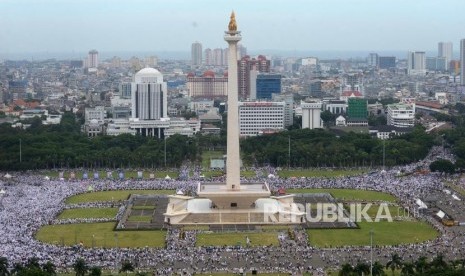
[[33, 202]]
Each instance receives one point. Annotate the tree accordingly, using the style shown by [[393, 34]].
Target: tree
[[327, 117], [80, 267], [362, 269], [49, 267], [439, 262], [126, 266], [4, 266], [394, 263], [407, 269], [421, 265], [442, 165], [95, 271], [378, 269], [346, 270]]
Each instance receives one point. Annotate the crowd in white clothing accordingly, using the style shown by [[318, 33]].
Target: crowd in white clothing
[[33, 202]]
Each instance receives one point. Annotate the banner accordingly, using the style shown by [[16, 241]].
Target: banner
[[96, 176], [109, 174], [85, 175], [139, 175], [121, 175]]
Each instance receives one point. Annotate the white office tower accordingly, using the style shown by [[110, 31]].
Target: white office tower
[[445, 50], [462, 62], [311, 115], [196, 54], [92, 59], [416, 63], [148, 97]]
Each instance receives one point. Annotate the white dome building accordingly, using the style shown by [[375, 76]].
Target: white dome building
[[149, 95], [148, 75]]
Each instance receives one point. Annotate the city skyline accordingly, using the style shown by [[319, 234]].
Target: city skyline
[[333, 25]]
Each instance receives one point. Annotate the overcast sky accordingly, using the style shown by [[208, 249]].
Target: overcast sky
[[172, 25]]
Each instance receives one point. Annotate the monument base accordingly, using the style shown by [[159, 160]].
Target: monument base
[[215, 205]]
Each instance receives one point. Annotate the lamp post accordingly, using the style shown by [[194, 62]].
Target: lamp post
[[165, 151], [371, 252], [2, 194], [20, 151], [289, 154]]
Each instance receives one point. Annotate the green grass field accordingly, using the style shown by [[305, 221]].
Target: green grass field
[[248, 174], [103, 174], [220, 239], [318, 173], [88, 213], [349, 194], [143, 207], [111, 195], [140, 218], [99, 234], [210, 174], [207, 155], [385, 233]]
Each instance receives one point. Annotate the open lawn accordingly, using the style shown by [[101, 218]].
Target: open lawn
[[220, 239], [349, 194], [318, 173], [99, 234], [143, 207], [210, 174], [385, 233], [207, 155], [140, 218], [248, 174], [112, 195], [88, 213], [103, 174]]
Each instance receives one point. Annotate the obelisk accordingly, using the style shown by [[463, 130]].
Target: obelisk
[[233, 181]]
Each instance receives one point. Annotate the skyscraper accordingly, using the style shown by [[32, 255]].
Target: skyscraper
[[196, 54], [245, 66], [208, 56], [149, 99], [92, 59], [462, 62], [416, 63], [445, 50]]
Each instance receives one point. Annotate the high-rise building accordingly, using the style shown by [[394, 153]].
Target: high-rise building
[[196, 54], [217, 57], [268, 84], [386, 62], [373, 60], [207, 86], [416, 63], [125, 90], [256, 118], [17, 89], [436, 64], [208, 57], [149, 99], [92, 59], [445, 50], [462, 62], [311, 115], [401, 115], [357, 108], [245, 65], [288, 109]]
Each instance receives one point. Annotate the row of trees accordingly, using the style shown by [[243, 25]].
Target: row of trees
[[80, 267], [437, 267], [317, 148], [64, 146]]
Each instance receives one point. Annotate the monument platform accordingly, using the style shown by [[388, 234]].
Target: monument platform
[[215, 204]]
